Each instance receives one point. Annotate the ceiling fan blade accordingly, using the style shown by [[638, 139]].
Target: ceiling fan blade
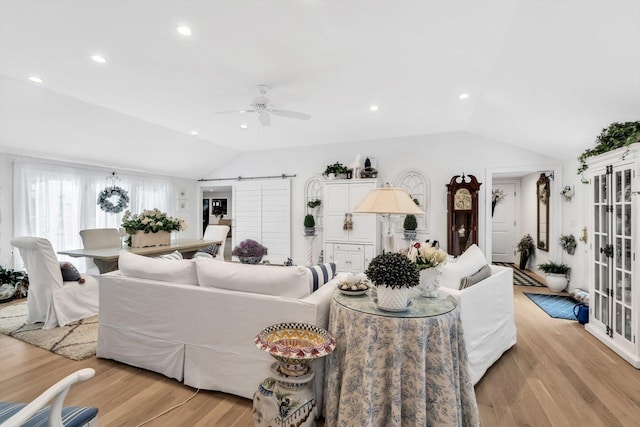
[[291, 114], [235, 111], [265, 119]]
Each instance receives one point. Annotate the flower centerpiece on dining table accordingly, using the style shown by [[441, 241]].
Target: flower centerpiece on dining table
[[428, 260], [150, 228], [249, 251]]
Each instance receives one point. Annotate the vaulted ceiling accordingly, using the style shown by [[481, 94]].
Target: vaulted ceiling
[[546, 75]]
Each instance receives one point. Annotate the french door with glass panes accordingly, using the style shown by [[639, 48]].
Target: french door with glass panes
[[614, 288]]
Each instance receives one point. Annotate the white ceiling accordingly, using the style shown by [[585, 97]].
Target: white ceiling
[[546, 75]]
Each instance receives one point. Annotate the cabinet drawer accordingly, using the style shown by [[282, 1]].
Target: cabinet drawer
[[347, 247]]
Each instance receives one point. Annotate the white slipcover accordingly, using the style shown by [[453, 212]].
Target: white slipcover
[[201, 335], [50, 300], [486, 311], [215, 233]]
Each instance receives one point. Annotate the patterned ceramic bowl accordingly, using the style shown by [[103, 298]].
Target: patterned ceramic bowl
[[293, 344]]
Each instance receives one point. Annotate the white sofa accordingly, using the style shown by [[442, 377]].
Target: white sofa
[[486, 309], [195, 320]]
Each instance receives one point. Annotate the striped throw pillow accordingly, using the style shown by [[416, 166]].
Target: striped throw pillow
[[320, 274], [172, 255]]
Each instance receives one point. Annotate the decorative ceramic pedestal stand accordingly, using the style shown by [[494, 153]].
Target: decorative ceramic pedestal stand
[[310, 240], [287, 399]]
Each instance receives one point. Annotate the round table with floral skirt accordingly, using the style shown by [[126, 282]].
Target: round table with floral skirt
[[398, 368]]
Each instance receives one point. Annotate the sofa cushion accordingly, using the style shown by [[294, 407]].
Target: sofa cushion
[[476, 277], [70, 273], [466, 264], [258, 279], [320, 274], [166, 270]]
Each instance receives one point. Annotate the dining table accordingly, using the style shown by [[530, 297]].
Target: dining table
[[106, 259]]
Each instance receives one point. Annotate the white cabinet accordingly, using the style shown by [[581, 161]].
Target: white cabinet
[[350, 239], [614, 283]]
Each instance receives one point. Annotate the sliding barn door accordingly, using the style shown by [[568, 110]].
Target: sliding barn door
[[262, 212]]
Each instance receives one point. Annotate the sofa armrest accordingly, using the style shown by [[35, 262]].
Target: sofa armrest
[[322, 300]]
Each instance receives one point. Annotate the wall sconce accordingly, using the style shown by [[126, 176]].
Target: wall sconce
[[567, 193]]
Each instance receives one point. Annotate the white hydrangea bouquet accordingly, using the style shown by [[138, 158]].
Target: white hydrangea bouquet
[[152, 221], [428, 259]]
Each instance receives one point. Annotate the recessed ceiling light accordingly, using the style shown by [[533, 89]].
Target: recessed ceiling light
[[98, 58], [463, 95], [194, 132], [244, 126], [184, 30], [35, 79], [374, 107]]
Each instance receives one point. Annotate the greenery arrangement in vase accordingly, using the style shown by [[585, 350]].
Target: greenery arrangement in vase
[[557, 275], [568, 243], [13, 284], [309, 225], [336, 170], [218, 212], [410, 224], [526, 247], [249, 251], [393, 274], [150, 221]]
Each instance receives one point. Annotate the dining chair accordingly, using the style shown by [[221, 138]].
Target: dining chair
[[218, 233], [36, 413], [50, 299], [98, 238]]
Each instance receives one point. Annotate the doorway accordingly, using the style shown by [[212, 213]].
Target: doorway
[[504, 219]]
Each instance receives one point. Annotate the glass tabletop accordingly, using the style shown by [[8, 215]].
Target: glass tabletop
[[419, 306]]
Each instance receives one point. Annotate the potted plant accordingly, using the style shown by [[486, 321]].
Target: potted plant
[[309, 225], [410, 224], [568, 243], [10, 282], [526, 247], [217, 212], [428, 260], [249, 252], [557, 275], [336, 170], [150, 228], [393, 274]]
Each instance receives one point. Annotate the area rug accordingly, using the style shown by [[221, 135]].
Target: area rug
[[520, 278], [76, 341], [558, 306]]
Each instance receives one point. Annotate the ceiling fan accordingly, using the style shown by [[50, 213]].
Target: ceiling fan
[[264, 109]]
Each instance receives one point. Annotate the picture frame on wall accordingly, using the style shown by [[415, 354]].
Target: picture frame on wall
[[222, 202], [182, 193], [183, 205]]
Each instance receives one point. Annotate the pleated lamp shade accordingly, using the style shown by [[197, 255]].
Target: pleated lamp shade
[[388, 200]]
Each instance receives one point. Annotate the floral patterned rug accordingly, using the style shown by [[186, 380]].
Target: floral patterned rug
[[76, 341]]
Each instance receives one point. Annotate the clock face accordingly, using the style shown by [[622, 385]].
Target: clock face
[[462, 200]]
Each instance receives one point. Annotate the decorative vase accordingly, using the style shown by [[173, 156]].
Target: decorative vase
[[429, 282], [250, 259], [524, 258], [556, 282], [143, 240], [393, 299], [287, 399], [410, 234]]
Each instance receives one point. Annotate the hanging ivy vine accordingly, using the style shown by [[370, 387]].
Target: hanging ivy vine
[[615, 136]]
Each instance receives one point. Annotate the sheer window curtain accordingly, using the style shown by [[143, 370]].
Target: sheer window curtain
[[56, 202]]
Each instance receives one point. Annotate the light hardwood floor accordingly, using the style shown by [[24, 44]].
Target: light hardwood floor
[[556, 375]]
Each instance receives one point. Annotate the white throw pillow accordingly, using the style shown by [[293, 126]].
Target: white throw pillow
[[257, 279], [466, 264], [166, 270]]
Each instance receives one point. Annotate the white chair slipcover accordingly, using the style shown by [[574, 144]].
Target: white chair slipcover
[[98, 238], [50, 300], [217, 232]]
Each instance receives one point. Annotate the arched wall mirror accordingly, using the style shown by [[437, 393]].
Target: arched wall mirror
[[543, 192]]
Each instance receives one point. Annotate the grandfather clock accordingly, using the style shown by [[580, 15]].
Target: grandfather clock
[[462, 213]]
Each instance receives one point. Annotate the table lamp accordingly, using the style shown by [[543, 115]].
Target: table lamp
[[388, 201]]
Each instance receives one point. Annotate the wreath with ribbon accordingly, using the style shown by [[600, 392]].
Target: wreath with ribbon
[[105, 203]]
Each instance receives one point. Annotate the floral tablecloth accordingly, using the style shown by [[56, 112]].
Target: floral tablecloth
[[397, 371]]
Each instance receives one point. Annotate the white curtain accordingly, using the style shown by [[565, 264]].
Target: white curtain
[[56, 202]]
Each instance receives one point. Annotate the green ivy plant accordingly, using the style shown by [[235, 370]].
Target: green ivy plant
[[393, 270], [615, 136], [555, 268]]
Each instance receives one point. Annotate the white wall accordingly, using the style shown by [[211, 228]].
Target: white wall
[[192, 215], [438, 157]]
